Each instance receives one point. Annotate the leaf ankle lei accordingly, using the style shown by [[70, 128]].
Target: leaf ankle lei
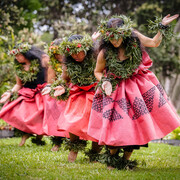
[[93, 155], [78, 145], [82, 73], [117, 161], [29, 75]]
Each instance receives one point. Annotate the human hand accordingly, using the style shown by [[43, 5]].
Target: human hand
[[59, 90], [107, 87], [167, 19], [95, 35], [5, 97], [46, 90]]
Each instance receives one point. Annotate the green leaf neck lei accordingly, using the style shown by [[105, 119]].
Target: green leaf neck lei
[[117, 70], [82, 73], [31, 74], [123, 69]]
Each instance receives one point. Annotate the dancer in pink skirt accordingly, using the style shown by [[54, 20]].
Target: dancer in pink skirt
[[53, 107], [130, 107], [78, 69], [26, 112]]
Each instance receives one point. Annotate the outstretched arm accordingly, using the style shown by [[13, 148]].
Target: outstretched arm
[[149, 42], [156, 40]]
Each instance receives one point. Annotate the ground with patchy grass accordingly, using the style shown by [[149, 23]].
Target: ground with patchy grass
[[158, 161]]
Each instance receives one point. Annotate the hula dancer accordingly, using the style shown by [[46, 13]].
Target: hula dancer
[[130, 107], [78, 69], [24, 108], [53, 107]]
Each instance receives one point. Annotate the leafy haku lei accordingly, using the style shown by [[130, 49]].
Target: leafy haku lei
[[76, 46], [118, 70], [155, 26], [82, 73], [54, 49], [20, 48], [60, 82], [116, 33], [27, 76]]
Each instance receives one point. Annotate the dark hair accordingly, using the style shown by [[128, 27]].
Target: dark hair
[[115, 23], [72, 38], [34, 53], [57, 41], [75, 37]]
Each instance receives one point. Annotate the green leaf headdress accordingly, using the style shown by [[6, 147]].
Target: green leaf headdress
[[54, 49], [117, 32], [20, 48], [74, 47]]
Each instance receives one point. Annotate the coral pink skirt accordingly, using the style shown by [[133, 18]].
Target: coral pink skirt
[[52, 112], [26, 113], [75, 118], [137, 112]]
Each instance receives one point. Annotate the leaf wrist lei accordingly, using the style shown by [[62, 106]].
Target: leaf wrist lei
[[60, 82], [74, 47], [27, 76], [20, 48], [156, 25]]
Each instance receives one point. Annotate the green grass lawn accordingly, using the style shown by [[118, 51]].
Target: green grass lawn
[[158, 161]]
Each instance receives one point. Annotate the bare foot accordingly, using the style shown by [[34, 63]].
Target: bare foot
[[23, 140], [72, 156], [94, 162], [110, 168], [55, 148]]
